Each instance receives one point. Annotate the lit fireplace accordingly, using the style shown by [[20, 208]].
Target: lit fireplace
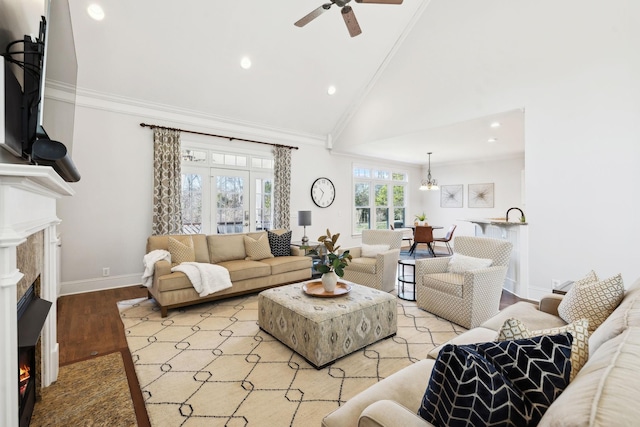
[[32, 313]]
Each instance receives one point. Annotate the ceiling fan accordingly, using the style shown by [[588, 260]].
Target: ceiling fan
[[347, 13]]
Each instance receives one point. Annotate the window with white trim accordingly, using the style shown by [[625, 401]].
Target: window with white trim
[[379, 198]]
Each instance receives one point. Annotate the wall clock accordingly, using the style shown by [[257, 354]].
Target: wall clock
[[323, 192]]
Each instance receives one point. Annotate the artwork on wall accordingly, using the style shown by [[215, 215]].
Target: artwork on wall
[[451, 196], [480, 195]]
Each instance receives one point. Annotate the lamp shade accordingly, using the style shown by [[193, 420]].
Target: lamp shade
[[304, 217]]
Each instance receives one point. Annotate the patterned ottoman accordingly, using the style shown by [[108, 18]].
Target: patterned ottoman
[[324, 329]]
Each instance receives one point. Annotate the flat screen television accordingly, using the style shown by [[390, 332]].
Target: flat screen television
[[29, 139]]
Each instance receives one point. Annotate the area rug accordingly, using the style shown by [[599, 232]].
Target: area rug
[[93, 392], [210, 364]]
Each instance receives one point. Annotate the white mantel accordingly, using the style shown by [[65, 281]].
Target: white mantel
[[28, 196]]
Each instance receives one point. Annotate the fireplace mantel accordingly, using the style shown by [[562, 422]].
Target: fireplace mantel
[[28, 196]]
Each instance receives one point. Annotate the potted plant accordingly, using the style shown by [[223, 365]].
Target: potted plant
[[420, 219], [333, 263]]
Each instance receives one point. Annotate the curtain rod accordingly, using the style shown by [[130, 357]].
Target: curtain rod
[[144, 125]]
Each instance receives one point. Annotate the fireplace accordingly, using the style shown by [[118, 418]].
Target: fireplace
[[29, 196], [32, 314]]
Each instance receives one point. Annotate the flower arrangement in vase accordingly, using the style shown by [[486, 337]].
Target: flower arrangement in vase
[[334, 262]]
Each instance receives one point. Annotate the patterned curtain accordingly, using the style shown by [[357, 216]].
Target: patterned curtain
[[282, 187], [167, 175]]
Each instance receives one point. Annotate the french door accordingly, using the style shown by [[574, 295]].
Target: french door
[[229, 201]]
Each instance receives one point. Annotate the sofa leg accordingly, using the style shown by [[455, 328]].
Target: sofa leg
[[164, 311]]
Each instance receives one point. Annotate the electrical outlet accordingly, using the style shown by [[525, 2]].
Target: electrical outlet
[[105, 272], [556, 283]]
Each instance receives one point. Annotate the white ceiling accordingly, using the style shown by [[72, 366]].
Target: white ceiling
[[186, 55]]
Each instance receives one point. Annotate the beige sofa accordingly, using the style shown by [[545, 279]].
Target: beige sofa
[[603, 393], [172, 290]]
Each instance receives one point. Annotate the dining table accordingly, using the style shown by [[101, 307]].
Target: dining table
[[415, 244]]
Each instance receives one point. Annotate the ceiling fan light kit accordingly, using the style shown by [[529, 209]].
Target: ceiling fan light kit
[[347, 13]]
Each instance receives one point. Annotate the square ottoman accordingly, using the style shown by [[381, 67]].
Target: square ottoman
[[322, 329]]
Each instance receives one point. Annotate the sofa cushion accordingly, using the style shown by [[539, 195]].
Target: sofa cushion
[[448, 283], [363, 265], [459, 263], [199, 245], [528, 313], [284, 264], [257, 249], [280, 243], [593, 301], [497, 383], [627, 314], [472, 336], [226, 247], [246, 269], [181, 249], [514, 329], [605, 391], [371, 251]]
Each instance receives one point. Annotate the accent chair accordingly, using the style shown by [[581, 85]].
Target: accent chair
[[375, 263], [465, 288]]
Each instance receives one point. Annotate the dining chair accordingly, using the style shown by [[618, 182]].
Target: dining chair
[[422, 234], [407, 233], [447, 238]]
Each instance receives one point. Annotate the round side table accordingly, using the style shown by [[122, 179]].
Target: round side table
[[406, 279]]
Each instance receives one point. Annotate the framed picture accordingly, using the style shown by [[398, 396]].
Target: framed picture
[[451, 196], [481, 195]]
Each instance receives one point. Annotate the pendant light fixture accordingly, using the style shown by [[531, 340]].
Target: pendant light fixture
[[430, 183]]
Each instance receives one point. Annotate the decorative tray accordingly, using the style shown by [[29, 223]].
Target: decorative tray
[[315, 289]]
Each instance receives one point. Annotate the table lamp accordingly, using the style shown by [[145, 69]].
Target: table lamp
[[304, 219]]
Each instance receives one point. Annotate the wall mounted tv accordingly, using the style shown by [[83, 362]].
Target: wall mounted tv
[[25, 135]]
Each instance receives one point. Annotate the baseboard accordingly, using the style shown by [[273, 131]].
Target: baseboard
[[99, 284]]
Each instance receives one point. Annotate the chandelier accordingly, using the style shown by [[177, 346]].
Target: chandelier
[[430, 183]]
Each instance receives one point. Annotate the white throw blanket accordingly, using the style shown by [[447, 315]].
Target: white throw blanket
[[149, 261], [206, 278]]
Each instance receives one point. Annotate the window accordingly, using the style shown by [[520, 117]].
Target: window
[[379, 198], [225, 192]]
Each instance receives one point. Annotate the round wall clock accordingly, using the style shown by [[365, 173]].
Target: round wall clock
[[323, 192]]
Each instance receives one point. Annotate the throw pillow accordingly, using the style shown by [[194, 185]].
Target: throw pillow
[[280, 244], [371, 251], [593, 301], [181, 249], [514, 329], [508, 383], [257, 249], [460, 263]]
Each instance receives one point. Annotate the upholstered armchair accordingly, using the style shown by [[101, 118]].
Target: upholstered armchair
[[462, 288], [375, 263]]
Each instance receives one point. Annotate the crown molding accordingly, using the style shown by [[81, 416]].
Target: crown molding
[[180, 116]]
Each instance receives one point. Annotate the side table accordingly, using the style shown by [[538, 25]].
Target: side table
[[406, 276], [563, 288], [317, 259]]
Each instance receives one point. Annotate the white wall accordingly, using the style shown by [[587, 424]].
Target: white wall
[[506, 176], [107, 222]]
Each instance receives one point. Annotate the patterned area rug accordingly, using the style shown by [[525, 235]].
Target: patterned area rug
[[93, 392], [210, 364]]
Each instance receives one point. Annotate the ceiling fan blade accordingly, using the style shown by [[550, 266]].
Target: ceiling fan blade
[[313, 15], [351, 21], [380, 1]]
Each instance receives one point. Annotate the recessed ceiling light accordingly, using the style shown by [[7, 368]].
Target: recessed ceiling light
[[495, 124], [245, 63], [331, 90], [96, 12], [492, 140]]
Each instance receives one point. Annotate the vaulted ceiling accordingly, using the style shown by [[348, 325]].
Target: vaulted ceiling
[[392, 99]]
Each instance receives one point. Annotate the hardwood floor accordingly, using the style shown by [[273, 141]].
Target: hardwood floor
[[89, 325]]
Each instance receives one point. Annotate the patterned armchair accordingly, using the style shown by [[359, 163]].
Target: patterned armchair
[[373, 265], [466, 297]]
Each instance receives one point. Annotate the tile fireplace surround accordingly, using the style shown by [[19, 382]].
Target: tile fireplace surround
[[28, 196]]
